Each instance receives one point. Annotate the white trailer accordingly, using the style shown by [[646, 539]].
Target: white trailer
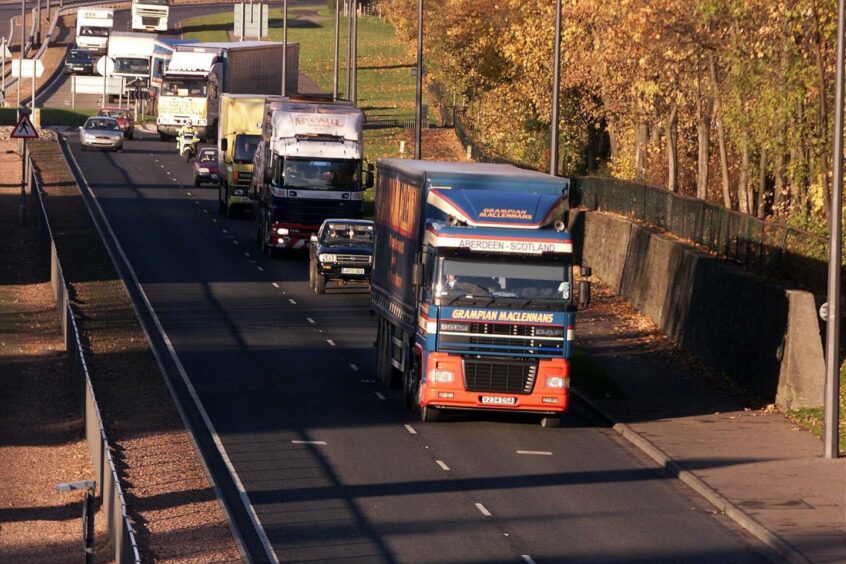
[[93, 26], [150, 15]]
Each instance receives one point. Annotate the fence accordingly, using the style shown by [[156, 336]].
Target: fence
[[121, 536]]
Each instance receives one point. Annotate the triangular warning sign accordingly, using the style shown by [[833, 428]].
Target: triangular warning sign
[[24, 129]]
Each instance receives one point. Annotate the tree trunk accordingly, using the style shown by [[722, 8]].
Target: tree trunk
[[779, 193], [763, 197], [721, 136], [822, 115], [673, 149], [743, 203], [641, 146], [704, 108]]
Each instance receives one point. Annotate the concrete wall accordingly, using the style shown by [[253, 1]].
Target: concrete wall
[[762, 335]]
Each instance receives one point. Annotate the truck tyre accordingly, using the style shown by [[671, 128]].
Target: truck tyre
[[196, 181], [319, 283], [551, 422], [382, 361]]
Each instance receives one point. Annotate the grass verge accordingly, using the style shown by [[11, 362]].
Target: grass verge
[[49, 116], [812, 418]]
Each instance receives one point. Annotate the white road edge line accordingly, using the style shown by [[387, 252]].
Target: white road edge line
[[242, 492], [309, 442], [483, 510], [535, 452], [380, 395], [444, 466], [410, 429], [354, 367]]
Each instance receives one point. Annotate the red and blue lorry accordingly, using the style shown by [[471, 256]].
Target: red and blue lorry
[[473, 287]]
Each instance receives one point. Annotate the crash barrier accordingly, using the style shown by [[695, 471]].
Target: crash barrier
[[762, 247], [764, 337], [119, 528]]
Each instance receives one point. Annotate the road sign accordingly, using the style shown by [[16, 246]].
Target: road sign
[[26, 69], [24, 129], [6, 53], [105, 65], [250, 20], [824, 311]]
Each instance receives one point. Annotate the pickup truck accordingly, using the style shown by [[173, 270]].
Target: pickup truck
[[341, 251]]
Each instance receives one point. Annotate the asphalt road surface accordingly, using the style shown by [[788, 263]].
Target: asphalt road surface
[[333, 464]]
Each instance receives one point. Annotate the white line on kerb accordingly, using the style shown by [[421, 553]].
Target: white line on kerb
[[274, 284], [309, 442], [410, 429], [331, 342], [528, 559], [292, 300], [535, 452], [443, 466], [483, 510], [380, 396], [354, 367]]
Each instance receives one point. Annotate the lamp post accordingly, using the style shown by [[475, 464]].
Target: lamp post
[[349, 4], [335, 61], [285, 51], [418, 97], [556, 70], [21, 54], [354, 53], [832, 341]]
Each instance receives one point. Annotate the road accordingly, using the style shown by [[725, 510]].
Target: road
[[332, 463]]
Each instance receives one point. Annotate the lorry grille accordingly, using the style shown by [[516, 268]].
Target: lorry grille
[[499, 375], [314, 212], [491, 338], [353, 259]]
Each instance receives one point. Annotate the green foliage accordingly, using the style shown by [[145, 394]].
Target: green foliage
[[50, 116]]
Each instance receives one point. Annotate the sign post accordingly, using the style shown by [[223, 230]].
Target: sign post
[[23, 130]]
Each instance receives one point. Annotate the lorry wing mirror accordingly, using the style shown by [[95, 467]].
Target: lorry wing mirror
[[368, 176], [417, 275], [268, 175], [313, 239], [584, 287], [586, 271], [224, 145]]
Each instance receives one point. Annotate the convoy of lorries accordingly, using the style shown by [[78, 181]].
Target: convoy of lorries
[[470, 266]]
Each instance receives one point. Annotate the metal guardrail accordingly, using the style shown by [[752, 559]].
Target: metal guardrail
[[119, 528]]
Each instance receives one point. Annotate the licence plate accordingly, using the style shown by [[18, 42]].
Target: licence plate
[[498, 400], [352, 271]]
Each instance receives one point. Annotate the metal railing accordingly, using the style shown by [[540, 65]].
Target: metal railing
[[119, 528]]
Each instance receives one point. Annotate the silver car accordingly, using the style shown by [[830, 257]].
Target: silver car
[[101, 132]]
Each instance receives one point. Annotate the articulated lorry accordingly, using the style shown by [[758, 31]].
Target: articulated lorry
[[238, 135], [308, 167], [473, 287], [93, 26], [199, 73], [136, 58]]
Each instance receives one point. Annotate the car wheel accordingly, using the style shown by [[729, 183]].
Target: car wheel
[[319, 283], [83, 147], [311, 270], [131, 134], [196, 181]]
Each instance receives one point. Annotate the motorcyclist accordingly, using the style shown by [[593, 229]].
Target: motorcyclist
[[183, 139]]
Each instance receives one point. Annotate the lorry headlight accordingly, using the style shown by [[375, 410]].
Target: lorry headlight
[[240, 192], [281, 230], [328, 258], [441, 376], [554, 382], [203, 171]]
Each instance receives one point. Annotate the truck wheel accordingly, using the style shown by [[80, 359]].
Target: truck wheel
[[551, 422], [319, 283], [196, 181]]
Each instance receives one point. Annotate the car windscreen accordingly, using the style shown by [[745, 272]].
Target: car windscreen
[[347, 234], [94, 31], [207, 156], [114, 113], [79, 56], [102, 124]]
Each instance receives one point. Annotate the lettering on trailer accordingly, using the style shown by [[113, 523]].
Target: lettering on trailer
[[396, 206], [499, 245], [506, 213], [317, 123], [502, 316]]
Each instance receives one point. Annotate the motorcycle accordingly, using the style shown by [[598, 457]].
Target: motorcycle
[[186, 144]]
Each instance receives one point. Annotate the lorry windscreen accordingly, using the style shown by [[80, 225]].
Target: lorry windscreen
[[501, 277], [245, 148], [312, 174], [184, 87], [132, 64], [153, 2], [88, 31]]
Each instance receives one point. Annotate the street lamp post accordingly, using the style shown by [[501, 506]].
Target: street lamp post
[[335, 61], [418, 97], [556, 70], [354, 57], [832, 341], [348, 7], [285, 52]]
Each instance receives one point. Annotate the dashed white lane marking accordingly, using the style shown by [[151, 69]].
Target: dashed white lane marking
[[234, 242], [275, 285], [197, 202], [309, 442], [224, 230], [528, 559], [260, 269], [380, 396], [354, 367], [310, 320], [292, 300], [535, 452], [444, 466], [331, 342], [214, 220], [410, 429], [205, 211], [367, 381], [189, 193], [246, 254], [483, 510]]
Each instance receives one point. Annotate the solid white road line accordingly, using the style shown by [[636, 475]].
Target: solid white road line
[[483, 510], [410, 429], [309, 442], [443, 466], [535, 452]]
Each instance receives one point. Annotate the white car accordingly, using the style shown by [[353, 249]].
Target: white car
[[101, 133]]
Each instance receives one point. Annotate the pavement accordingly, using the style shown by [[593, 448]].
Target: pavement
[[754, 465]]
